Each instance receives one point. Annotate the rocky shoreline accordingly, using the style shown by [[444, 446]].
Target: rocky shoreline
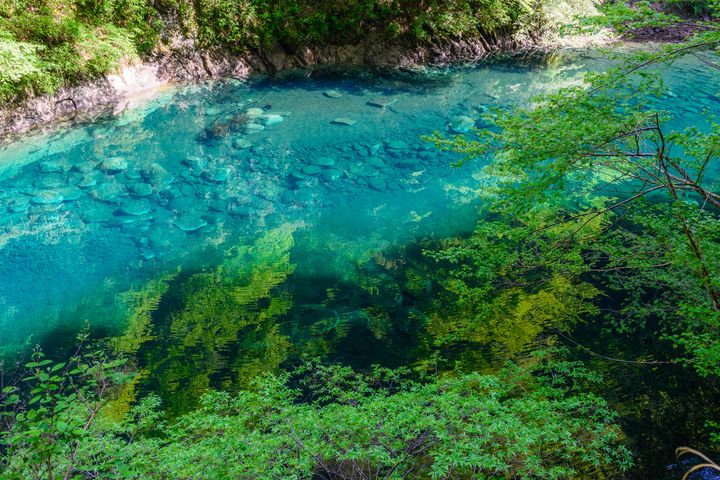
[[185, 63]]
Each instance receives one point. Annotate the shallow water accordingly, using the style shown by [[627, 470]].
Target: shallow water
[[125, 198], [212, 242]]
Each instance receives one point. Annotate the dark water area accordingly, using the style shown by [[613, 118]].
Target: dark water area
[[215, 232]]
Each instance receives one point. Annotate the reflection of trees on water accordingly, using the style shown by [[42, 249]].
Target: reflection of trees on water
[[225, 325], [215, 328]]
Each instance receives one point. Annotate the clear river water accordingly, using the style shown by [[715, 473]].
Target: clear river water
[[216, 231]]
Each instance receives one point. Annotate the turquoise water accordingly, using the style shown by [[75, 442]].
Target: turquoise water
[[216, 231], [182, 176]]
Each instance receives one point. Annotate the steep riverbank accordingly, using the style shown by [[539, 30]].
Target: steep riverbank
[[112, 93], [100, 68], [185, 63]]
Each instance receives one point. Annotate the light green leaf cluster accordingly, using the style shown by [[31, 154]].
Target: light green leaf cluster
[[17, 59]]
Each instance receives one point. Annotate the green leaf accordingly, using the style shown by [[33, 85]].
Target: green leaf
[[58, 366]]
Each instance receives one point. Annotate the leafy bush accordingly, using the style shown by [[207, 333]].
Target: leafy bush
[[333, 423], [19, 64], [293, 23]]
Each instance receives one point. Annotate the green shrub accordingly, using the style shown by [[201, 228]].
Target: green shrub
[[333, 423], [259, 24], [19, 64]]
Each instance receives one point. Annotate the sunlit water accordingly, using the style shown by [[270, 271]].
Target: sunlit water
[[212, 241]]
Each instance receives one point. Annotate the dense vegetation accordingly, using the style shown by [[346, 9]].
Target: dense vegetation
[[598, 209], [334, 423], [627, 206], [603, 209], [45, 44]]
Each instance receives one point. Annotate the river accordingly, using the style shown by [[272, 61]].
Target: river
[[217, 231]]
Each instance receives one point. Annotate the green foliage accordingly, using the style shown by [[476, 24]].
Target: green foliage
[[290, 24], [631, 18], [336, 423], [50, 44], [19, 64], [41, 54], [641, 207], [46, 44], [49, 414], [565, 161]]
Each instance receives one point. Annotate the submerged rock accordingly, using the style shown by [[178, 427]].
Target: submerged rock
[[141, 189], [108, 192], [381, 102], [251, 128], [195, 162], [375, 162], [71, 193], [114, 165], [44, 209], [158, 176], [122, 220], [398, 145], [332, 174], [132, 174], [268, 119], [461, 124], [88, 181], [190, 223], [408, 162], [165, 238], [47, 197], [239, 210], [18, 204], [332, 94], [348, 122], [136, 207], [254, 112], [52, 166], [147, 254], [242, 144], [363, 170], [218, 205], [84, 167], [183, 204], [49, 183], [311, 170], [323, 161], [377, 184], [298, 175], [217, 175]]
